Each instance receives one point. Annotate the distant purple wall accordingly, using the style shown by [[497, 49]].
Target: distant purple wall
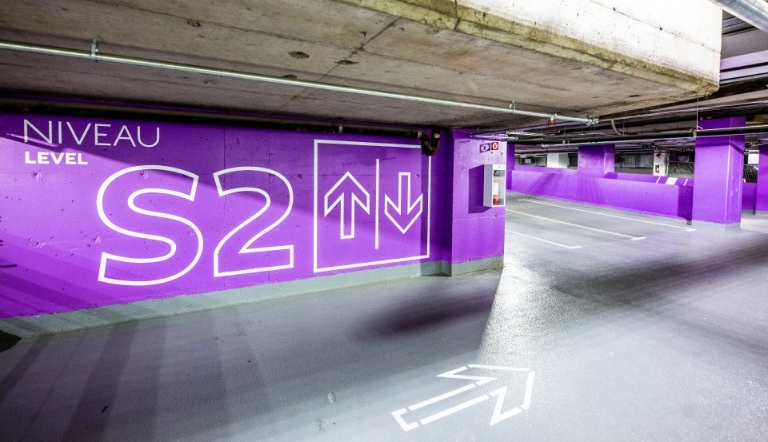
[[686, 182], [645, 194], [669, 201], [96, 212]]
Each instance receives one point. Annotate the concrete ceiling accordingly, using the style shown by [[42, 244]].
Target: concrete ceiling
[[743, 92], [366, 44]]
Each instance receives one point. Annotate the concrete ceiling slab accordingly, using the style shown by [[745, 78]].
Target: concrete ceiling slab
[[433, 48]]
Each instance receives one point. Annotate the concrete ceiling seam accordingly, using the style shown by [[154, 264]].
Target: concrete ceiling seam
[[95, 56], [345, 61]]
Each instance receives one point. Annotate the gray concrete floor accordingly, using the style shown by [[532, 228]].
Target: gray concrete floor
[[603, 326]]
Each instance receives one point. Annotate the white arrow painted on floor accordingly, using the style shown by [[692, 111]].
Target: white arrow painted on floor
[[500, 393]]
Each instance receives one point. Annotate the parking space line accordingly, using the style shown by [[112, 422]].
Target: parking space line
[[687, 229], [544, 240], [633, 238]]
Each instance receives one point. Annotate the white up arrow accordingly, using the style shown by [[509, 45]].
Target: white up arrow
[[346, 194]]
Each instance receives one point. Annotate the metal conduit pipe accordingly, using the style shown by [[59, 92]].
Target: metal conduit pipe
[[668, 135], [754, 12], [94, 55], [524, 131]]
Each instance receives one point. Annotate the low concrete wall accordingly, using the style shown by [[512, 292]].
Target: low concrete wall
[[665, 196], [638, 193]]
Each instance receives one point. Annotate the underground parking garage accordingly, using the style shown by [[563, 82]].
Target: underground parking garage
[[314, 221]]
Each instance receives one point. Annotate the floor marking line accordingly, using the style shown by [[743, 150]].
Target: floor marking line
[[687, 229], [528, 391], [544, 240], [498, 415], [497, 367], [500, 394], [452, 410], [437, 399], [453, 374], [576, 225], [398, 415]]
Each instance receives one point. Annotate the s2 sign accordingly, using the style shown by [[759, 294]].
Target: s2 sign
[[153, 210], [234, 254]]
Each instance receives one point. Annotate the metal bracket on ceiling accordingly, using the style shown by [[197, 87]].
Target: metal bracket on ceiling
[[94, 49], [590, 120]]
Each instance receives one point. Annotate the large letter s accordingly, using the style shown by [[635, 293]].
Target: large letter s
[[134, 271]]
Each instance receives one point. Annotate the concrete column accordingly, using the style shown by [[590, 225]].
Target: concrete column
[[557, 160], [476, 232], [718, 176], [761, 205], [660, 163], [597, 161]]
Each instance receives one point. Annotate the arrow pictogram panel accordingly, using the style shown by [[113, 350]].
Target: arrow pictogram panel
[[371, 204]]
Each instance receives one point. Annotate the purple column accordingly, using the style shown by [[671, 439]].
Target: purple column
[[761, 205], [510, 164], [719, 170], [476, 232], [597, 161]]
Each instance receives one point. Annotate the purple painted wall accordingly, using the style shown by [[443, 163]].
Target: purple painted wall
[[623, 191], [97, 212], [685, 182], [658, 195], [477, 232]]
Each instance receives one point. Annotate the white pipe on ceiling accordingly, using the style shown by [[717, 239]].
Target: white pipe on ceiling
[[95, 55]]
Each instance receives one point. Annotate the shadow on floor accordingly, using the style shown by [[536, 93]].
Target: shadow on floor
[[7, 341]]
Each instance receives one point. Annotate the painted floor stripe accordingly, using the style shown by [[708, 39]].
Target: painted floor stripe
[[456, 409], [437, 399], [634, 238], [687, 229], [528, 391], [544, 240], [498, 367]]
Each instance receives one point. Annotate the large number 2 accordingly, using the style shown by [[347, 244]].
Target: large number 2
[[228, 258], [258, 259]]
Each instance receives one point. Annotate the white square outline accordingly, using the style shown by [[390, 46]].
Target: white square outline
[[370, 263]]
